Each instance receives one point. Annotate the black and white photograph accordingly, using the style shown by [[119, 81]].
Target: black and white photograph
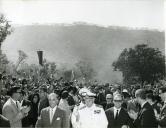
[[82, 64]]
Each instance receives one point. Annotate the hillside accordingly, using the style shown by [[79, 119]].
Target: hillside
[[67, 44]]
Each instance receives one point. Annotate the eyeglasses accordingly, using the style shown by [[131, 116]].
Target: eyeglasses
[[88, 97], [109, 98], [117, 100]]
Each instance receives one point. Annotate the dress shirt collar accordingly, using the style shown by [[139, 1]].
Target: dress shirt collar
[[115, 110], [21, 102], [143, 104], [53, 109], [165, 102], [13, 101], [93, 105]]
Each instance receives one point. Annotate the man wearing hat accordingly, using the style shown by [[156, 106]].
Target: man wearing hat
[[91, 115]]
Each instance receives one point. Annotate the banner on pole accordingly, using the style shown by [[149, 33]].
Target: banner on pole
[[40, 56]]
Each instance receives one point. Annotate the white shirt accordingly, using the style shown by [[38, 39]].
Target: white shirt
[[93, 117], [115, 111], [54, 109]]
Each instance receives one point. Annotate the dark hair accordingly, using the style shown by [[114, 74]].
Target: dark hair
[[36, 94], [157, 98], [64, 95], [150, 96], [13, 90], [132, 105], [141, 93], [43, 88], [149, 91], [125, 95], [23, 92], [163, 89], [75, 90]]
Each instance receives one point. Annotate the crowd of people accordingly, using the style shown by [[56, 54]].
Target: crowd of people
[[61, 104]]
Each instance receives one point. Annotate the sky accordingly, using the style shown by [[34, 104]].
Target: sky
[[129, 13]]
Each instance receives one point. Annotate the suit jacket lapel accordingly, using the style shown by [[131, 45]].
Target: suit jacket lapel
[[162, 109], [48, 115], [14, 105], [142, 108], [55, 114]]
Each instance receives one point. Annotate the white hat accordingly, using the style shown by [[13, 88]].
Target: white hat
[[90, 94], [83, 91], [125, 90]]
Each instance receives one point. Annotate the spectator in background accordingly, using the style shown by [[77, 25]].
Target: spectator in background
[[162, 117], [50, 88], [3, 98], [26, 121], [43, 103], [63, 104], [35, 101], [126, 98], [70, 99], [109, 101], [101, 98]]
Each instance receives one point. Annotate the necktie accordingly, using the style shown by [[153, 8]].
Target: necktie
[[16, 104], [51, 115], [116, 116]]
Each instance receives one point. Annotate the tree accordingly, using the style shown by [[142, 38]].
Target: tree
[[3, 62], [5, 28], [141, 64], [21, 58], [86, 70]]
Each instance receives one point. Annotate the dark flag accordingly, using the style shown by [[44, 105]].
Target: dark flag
[[40, 56], [68, 75]]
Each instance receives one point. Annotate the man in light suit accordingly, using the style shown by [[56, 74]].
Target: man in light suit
[[52, 116], [11, 109]]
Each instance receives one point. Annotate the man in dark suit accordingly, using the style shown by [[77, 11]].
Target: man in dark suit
[[4, 122], [146, 116], [162, 116], [52, 116], [117, 116]]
